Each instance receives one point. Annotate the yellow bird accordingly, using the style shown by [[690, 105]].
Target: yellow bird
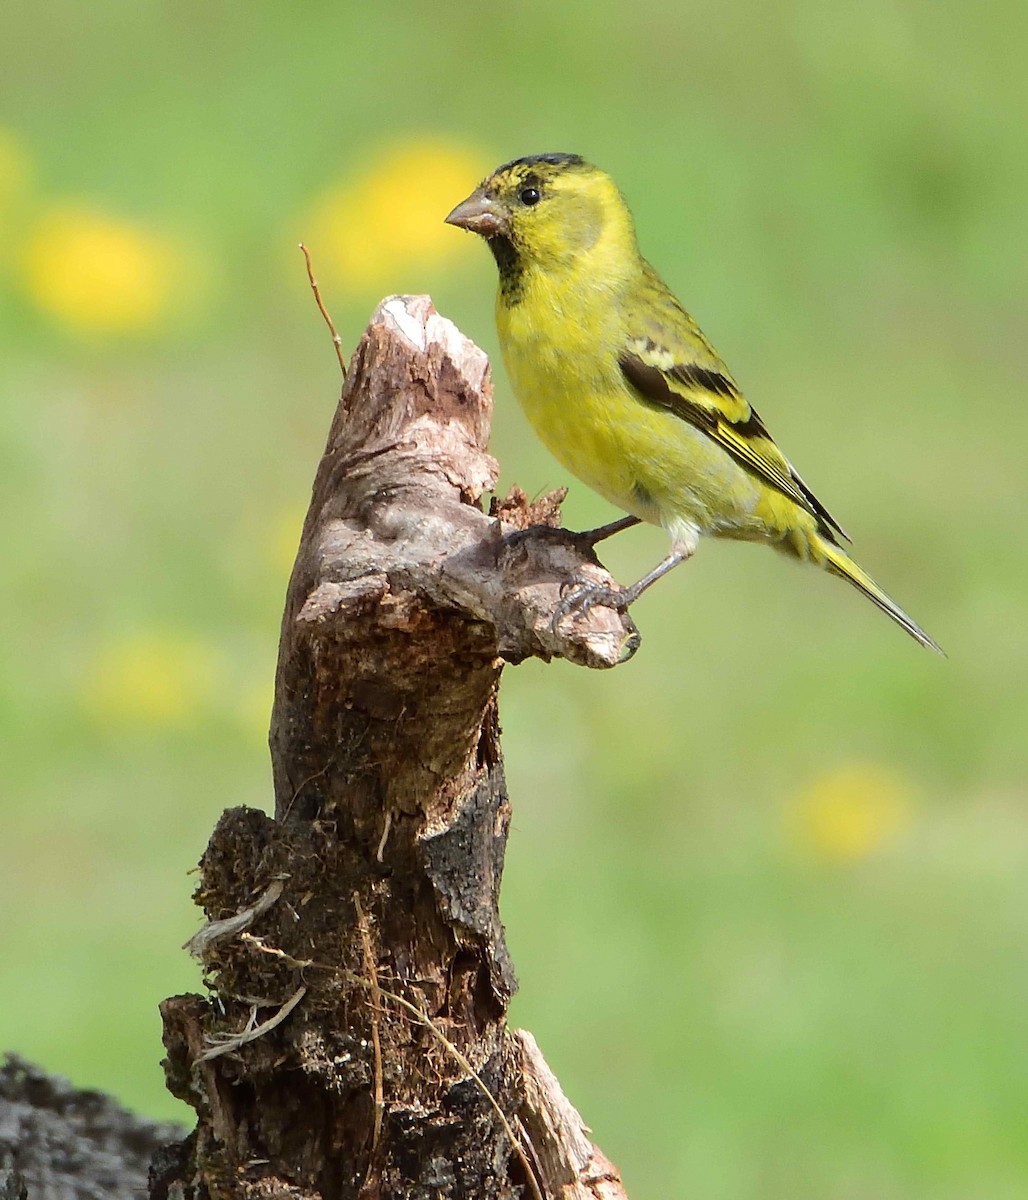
[[623, 387]]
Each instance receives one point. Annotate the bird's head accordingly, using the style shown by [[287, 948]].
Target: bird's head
[[546, 211]]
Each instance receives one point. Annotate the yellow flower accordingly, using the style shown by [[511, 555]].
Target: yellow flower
[[369, 230], [154, 678], [99, 274], [850, 812]]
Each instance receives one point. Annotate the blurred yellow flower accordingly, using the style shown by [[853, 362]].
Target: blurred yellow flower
[[391, 215], [153, 678], [99, 274], [850, 812], [15, 169]]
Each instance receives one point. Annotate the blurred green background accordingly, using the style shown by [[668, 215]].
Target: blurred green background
[[767, 884]]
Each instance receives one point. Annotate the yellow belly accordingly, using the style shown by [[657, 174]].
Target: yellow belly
[[646, 461]]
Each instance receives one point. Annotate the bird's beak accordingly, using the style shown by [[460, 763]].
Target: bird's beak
[[480, 214]]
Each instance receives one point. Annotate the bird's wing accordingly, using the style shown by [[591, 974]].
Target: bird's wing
[[675, 368]]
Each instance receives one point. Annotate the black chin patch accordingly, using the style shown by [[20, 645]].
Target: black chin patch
[[509, 264]]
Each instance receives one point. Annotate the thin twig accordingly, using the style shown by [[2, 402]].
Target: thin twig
[[337, 341], [250, 1034], [386, 826], [301, 964], [214, 931], [376, 1000], [303, 784]]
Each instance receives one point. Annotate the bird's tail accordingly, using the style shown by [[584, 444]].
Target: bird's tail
[[839, 563]]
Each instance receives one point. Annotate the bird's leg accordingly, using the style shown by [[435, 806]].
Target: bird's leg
[[592, 536], [582, 595]]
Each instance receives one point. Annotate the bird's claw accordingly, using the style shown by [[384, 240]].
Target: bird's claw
[[580, 596]]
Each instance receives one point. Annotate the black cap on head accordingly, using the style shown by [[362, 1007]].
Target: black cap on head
[[551, 160]]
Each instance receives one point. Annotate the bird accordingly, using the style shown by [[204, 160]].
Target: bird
[[625, 390]]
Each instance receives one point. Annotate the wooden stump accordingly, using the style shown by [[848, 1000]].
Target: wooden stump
[[354, 1041]]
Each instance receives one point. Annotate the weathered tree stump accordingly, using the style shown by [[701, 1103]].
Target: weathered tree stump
[[354, 1041]]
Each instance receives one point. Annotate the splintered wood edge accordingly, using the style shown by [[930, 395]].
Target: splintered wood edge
[[572, 1167], [416, 319]]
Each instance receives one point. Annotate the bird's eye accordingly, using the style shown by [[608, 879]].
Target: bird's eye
[[530, 196]]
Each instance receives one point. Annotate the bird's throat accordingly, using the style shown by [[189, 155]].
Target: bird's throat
[[510, 266]]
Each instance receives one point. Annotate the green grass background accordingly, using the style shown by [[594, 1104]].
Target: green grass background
[[838, 193]]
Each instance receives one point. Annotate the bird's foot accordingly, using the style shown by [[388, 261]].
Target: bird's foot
[[581, 595]]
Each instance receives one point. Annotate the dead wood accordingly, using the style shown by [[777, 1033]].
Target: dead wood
[[354, 1041]]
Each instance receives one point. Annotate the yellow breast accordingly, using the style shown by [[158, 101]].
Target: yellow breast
[[559, 350]]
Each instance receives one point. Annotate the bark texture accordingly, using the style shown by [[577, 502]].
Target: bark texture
[[59, 1142], [354, 1042]]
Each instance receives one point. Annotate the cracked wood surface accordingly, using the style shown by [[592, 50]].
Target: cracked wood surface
[[375, 888]]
